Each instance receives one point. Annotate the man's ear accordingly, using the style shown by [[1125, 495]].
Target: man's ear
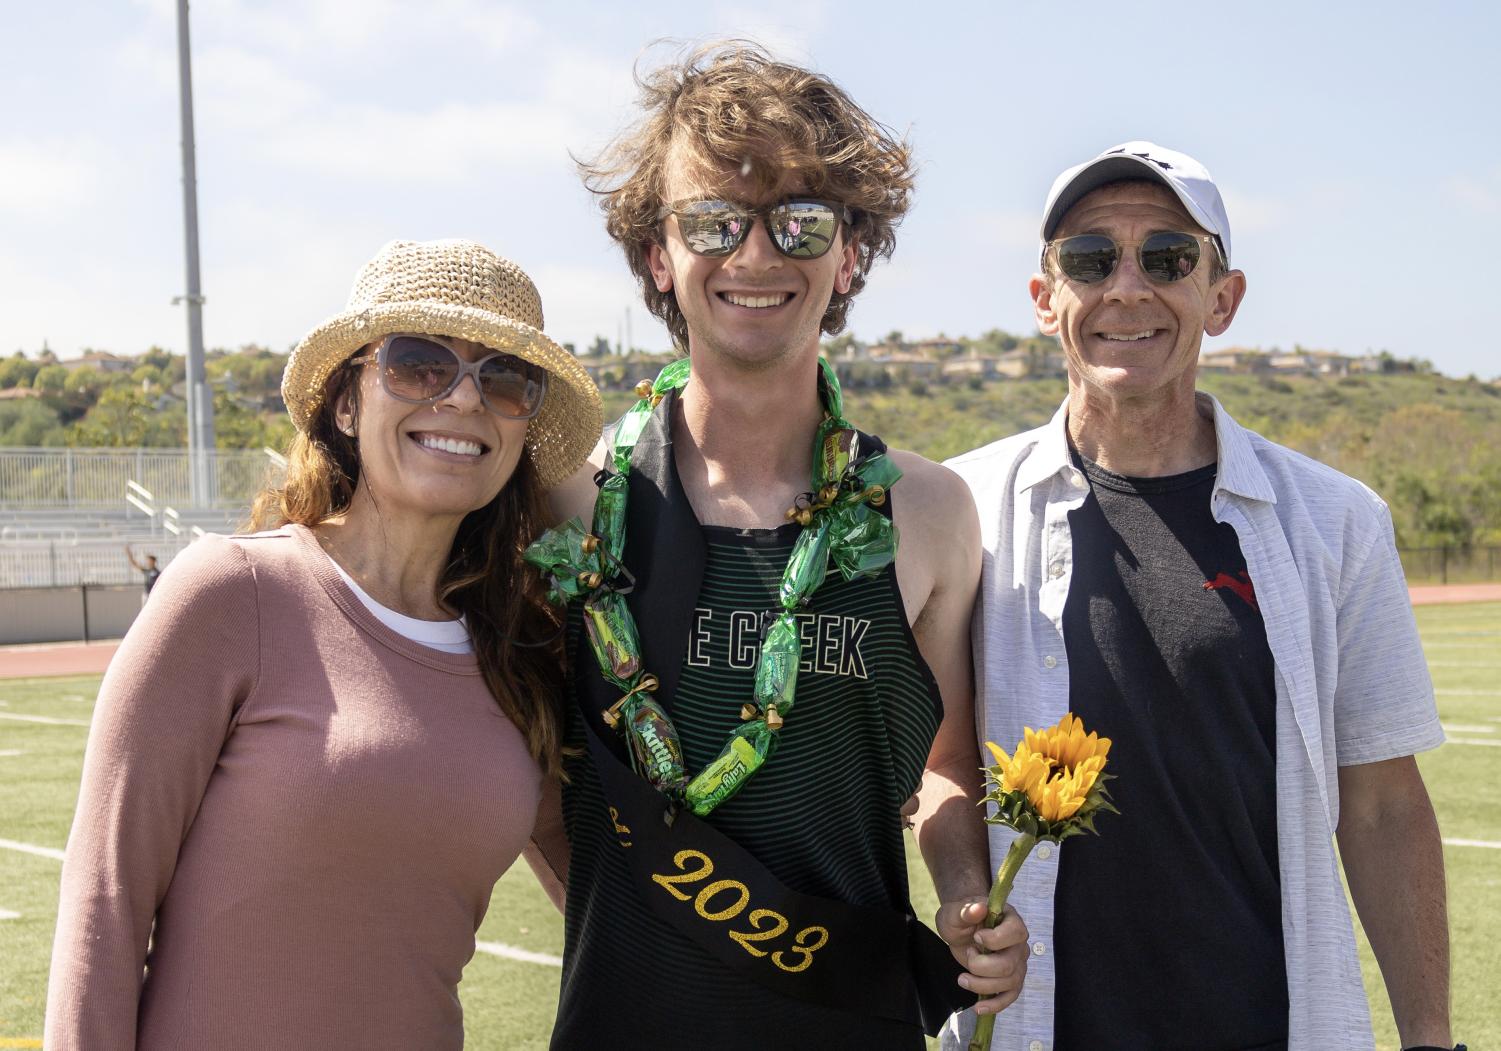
[[656, 262], [1042, 305], [1225, 299], [849, 256]]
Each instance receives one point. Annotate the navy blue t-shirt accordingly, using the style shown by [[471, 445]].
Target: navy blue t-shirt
[[1168, 931]]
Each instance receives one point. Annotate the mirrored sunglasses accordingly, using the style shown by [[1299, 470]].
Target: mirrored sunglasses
[[1166, 256], [423, 370], [800, 227]]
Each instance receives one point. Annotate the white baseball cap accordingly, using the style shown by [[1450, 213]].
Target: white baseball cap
[[1189, 180]]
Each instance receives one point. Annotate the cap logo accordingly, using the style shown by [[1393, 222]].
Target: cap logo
[[1164, 165]]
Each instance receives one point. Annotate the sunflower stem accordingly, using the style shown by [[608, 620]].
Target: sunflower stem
[[1021, 847]]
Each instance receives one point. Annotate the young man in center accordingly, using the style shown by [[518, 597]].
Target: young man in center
[[751, 201]]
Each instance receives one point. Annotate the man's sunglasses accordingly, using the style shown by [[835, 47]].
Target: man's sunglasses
[[1169, 255], [800, 227], [423, 370]]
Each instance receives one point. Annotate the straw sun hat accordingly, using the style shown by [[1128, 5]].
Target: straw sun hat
[[461, 290]]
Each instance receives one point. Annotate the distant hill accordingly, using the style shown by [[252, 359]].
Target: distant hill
[[1429, 444]]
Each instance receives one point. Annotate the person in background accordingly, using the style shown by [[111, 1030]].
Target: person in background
[[149, 571], [1233, 616], [320, 745]]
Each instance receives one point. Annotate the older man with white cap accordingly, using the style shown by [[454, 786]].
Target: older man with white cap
[[1234, 617]]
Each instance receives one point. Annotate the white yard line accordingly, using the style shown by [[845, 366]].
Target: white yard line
[[1467, 740], [7, 753], [1472, 843], [1466, 728], [8, 914], [31, 848], [510, 952], [17, 717], [1468, 693]]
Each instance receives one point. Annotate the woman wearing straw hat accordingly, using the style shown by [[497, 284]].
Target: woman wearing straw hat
[[320, 746]]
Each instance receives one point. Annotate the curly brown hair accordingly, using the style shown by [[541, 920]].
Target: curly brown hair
[[730, 106], [515, 632]]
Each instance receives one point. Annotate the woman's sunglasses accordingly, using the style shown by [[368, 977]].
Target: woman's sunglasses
[[423, 370], [1166, 256], [800, 227]]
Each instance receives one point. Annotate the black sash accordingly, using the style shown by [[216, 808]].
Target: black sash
[[867, 960]]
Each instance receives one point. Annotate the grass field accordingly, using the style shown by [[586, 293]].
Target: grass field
[[509, 1004]]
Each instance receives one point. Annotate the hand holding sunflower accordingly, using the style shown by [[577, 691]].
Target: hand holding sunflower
[[1049, 788]]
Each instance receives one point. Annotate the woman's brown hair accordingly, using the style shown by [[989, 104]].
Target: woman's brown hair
[[730, 107], [516, 633]]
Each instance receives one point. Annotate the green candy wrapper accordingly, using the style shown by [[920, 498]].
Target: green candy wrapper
[[862, 542], [807, 566], [559, 552], [776, 671], [879, 470], [743, 754], [627, 433], [833, 396], [655, 751], [609, 516], [612, 634]]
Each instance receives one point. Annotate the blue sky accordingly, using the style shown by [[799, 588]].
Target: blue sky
[[1355, 143]]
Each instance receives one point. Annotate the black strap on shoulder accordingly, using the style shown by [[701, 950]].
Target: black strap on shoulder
[[867, 960]]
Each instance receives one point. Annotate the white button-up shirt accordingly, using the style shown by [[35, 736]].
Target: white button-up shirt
[[1351, 682]]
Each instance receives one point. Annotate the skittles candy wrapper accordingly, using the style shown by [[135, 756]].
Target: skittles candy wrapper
[[655, 751]]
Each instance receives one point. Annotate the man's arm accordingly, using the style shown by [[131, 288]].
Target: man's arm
[[1393, 859], [940, 530]]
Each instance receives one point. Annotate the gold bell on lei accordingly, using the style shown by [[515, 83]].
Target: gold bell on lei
[[643, 389]]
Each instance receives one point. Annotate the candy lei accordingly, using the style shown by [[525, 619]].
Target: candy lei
[[837, 524]]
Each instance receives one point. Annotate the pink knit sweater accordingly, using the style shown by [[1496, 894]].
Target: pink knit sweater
[[312, 810]]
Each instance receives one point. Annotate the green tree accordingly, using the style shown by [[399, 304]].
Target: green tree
[[17, 371], [123, 416], [28, 421]]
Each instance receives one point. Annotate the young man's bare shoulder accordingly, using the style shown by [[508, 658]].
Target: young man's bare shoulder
[[574, 496], [932, 483], [933, 505]]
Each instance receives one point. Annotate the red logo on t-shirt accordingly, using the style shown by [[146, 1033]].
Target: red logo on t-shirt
[[1240, 584]]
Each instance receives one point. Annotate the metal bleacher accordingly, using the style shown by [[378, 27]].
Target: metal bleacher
[[68, 516]]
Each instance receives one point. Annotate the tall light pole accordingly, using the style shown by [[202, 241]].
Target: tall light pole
[[200, 398]]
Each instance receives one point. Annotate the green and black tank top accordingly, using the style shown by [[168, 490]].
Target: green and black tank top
[[821, 815]]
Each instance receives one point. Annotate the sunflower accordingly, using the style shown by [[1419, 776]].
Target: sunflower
[[1049, 788]]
